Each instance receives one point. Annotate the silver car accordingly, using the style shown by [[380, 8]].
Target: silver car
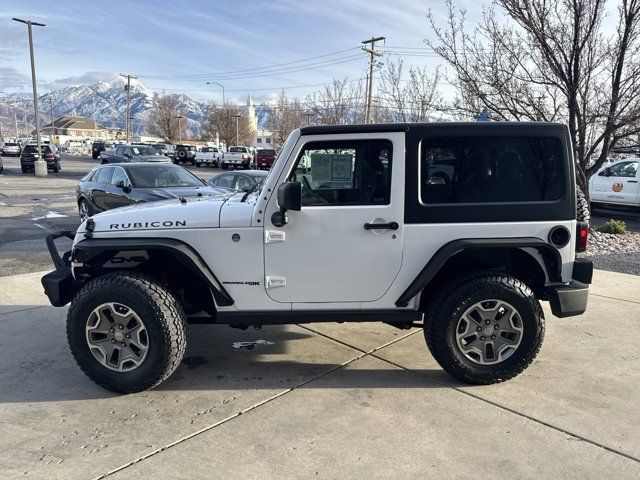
[[11, 149]]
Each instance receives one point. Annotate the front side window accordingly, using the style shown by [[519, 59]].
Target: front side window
[[490, 169], [351, 172], [120, 151], [624, 169], [226, 181]]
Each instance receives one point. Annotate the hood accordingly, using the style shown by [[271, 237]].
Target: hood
[[143, 218], [153, 194]]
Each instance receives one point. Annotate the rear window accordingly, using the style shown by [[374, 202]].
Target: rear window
[[484, 169], [267, 153], [10, 144], [238, 150]]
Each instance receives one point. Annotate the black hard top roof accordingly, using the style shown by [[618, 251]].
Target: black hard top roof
[[406, 127]]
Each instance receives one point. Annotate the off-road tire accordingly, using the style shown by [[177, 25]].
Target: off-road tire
[[161, 313], [450, 302], [583, 210], [24, 169]]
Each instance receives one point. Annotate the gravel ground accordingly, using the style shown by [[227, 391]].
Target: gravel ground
[[618, 262], [616, 253]]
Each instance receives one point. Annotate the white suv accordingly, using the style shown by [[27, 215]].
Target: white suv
[[362, 232], [617, 184]]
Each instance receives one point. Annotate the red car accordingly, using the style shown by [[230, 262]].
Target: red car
[[265, 158]]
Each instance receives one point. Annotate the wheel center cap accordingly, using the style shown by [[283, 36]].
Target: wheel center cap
[[488, 330], [119, 336]]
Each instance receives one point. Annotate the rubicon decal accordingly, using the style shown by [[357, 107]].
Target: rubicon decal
[[158, 224]]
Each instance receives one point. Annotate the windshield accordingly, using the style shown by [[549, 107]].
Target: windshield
[[284, 153], [163, 176], [144, 151]]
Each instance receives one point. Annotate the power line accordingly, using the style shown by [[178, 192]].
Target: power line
[[246, 70]]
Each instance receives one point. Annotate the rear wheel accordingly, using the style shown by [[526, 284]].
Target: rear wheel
[[484, 328], [127, 332]]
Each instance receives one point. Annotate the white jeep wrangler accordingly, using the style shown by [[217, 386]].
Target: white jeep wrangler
[[466, 226]]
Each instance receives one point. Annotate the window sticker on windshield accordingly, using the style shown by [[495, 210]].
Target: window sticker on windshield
[[329, 167]]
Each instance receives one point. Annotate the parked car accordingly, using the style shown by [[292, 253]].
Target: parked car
[[185, 153], [238, 182], [264, 158], [164, 149], [208, 156], [97, 147], [11, 149], [118, 185], [49, 152], [133, 153], [237, 157], [616, 184]]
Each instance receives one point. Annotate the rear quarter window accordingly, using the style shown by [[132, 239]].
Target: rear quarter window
[[471, 170]]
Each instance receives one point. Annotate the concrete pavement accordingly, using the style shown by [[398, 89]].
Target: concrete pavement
[[324, 401]]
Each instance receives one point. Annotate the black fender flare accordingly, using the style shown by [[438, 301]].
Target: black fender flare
[[551, 262], [88, 249]]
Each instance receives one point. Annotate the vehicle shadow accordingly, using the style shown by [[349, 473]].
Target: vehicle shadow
[[38, 367]]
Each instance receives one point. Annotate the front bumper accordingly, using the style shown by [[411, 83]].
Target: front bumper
[[571, 299], [59, 285]]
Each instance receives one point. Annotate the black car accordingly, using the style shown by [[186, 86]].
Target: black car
[[238, 182], [1, 165], [97, 147], [50, 154], [118, 185], [185, 153]]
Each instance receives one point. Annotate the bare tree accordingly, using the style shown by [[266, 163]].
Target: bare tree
[[550, 61], [285, 117], [411, 100], [341, 102], [164, 121], [223, 121]]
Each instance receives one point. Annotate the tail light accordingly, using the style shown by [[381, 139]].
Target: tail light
[[48, 155], [582, 236], [244, 157]]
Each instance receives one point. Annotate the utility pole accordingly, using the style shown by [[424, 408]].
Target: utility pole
[[40, 165], [53, 122], [15, 118], [372, 61], [179, 117], [128, 89], [95, 125], [24, 120], [237, 117]]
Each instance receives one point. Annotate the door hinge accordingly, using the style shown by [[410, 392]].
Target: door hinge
[[274, 282], [273, 236]]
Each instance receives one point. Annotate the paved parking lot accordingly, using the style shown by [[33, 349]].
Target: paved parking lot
[[30, 208], [324, 401]]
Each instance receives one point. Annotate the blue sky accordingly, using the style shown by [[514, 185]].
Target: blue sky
[[164, 42]]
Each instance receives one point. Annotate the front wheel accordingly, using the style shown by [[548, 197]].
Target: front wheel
[[484, 328], [126, 331]]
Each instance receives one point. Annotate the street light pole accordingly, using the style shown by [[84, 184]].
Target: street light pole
[[53, 123], [40, 165], [237, 117], [221, 86]]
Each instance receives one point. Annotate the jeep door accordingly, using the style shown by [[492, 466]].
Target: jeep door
[[345, 244], [617, 184]]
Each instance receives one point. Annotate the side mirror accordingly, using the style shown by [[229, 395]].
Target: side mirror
[[289, 198], [246, 189]]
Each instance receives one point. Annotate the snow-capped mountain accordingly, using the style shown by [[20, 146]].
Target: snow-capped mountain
[[107, 99]]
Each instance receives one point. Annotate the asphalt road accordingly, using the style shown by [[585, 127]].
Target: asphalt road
[[31, 207]]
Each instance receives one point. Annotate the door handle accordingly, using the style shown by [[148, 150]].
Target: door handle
[[632, 181], [381, 226]]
